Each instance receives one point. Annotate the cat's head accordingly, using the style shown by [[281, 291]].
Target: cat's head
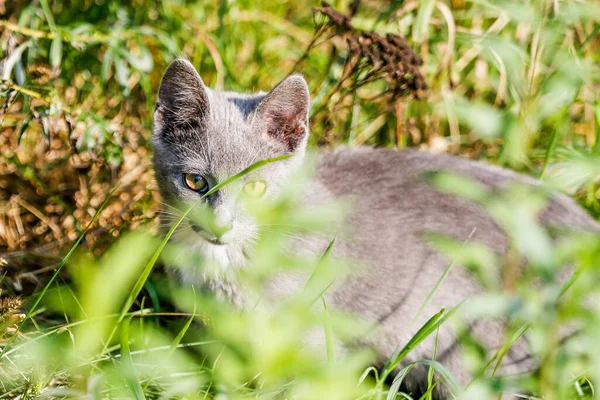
[[201, 137]]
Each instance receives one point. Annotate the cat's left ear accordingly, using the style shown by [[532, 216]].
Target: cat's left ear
[[283, 113], [182, 96]]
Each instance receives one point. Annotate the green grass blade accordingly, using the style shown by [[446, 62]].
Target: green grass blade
[[504, 350], [246, 171], [430, 387], [48, 14], [183, 330], [421, 334], [430, 373], [328, 328], [398, 379], [419, 32], [364, 375], [427, 329], [313, 292], [552, 144], [132, 382], [448, 379], [438, 283]]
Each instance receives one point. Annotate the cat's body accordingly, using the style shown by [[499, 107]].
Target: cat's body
[[215, 135], [393, 206]]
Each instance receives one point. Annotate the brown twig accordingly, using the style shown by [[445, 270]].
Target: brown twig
[[36, 95]]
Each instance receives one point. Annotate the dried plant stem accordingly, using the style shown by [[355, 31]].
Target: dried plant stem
[[39, 34], [36, 95], [39, 215]]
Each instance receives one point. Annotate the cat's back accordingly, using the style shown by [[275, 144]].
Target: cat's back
[[386, 169], [396, 181]]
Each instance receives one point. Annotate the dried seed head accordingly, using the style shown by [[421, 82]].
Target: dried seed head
[[375, 56]]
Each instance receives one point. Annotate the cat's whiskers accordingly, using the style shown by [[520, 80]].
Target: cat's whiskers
[[172, 207], [287, 235], [164, 214], [310, 230], [251, 237], [168, 219], [168, 214]]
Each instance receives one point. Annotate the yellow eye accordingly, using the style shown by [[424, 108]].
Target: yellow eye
[[255, 188], [196, 182]]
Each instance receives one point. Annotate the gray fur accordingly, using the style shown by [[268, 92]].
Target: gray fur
[[218, 134]]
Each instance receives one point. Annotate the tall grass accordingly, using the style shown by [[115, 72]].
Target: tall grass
[[512, 83]]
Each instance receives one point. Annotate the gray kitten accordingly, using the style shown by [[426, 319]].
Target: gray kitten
[[202, 136]]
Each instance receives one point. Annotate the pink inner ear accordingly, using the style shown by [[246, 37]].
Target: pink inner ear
[[284, 112], [285, 127]]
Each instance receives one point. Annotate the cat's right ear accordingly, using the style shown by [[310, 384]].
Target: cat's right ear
[[182, 97], [282, 114]]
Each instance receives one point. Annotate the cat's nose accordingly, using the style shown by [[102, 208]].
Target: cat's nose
[[220, 229], [221, 224]]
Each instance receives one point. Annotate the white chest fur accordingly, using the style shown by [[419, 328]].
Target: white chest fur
[[214, 269]]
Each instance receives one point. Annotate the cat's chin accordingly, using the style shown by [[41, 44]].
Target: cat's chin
[[216, 242], [224, 254], [210, 242]]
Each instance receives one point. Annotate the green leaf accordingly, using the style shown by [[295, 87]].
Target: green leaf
[[122, 72], [459, 185], [106, 64], [56, 50], [423, 17], [24, 127], [14, 58], [142, 61], [48, 14], [483, 119]]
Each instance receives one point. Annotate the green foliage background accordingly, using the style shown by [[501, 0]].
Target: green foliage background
[[515, 83]]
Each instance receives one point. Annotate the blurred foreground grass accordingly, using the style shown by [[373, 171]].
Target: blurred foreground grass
[[513, 83]]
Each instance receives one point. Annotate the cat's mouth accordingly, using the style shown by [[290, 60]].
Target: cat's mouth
[[215, 241], [208, 236]]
